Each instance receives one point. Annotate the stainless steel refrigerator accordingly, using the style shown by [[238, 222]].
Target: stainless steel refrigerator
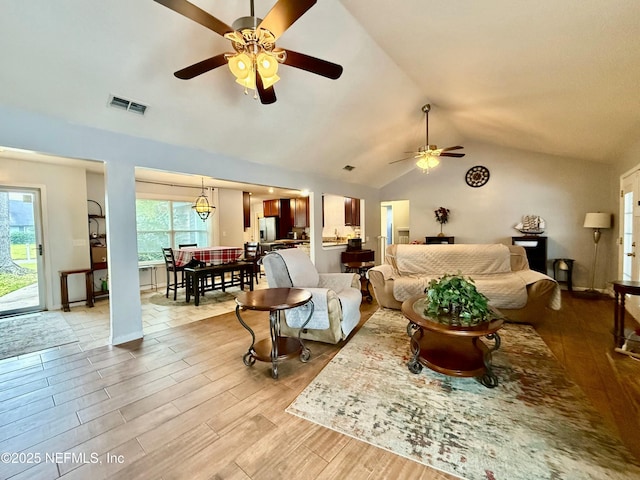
[[268, 229]]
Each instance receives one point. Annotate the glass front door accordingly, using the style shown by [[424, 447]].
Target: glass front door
[[21, 265]]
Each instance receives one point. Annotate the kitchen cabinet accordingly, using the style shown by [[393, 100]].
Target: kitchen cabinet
[[352, 212], [280, 208], [285, 222], [271, 208], [246, 209], [300, 212]]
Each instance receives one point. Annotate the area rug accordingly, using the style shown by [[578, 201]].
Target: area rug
[[209, 298], [34, 332], [536, 424]]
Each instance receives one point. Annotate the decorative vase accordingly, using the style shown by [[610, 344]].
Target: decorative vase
[[441, 234]]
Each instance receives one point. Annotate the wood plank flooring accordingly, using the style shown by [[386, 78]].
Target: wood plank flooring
[[181, 404]]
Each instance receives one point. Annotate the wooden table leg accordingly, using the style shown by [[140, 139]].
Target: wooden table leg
[[88, 284], [195, 285], [64, 292], [620, 333]]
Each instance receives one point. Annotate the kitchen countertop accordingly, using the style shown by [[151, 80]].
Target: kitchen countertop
[[334, 244], [291, 241]]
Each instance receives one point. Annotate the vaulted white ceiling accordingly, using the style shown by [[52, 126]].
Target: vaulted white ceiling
[[557, 77]]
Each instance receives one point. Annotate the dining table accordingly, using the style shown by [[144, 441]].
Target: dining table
[[208, 255]]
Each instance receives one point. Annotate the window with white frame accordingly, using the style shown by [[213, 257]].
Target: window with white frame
[[166, 223]]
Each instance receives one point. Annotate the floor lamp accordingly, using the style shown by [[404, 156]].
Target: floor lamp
[[596, 221]]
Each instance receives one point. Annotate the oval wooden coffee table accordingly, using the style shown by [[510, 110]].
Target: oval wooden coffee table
[[274, 301], [453, 350]]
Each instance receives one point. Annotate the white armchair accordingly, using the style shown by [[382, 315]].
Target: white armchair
[[336, 296]]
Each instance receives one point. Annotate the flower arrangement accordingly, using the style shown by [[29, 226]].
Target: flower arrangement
[[455, 299], [442, 217]]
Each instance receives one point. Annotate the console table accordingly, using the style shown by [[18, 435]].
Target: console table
[[621, 288], [64, 288], [439, 240], [274, 301]]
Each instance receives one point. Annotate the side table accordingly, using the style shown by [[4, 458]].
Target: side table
[[274, 301], [64, 288], [361, 268], [564, 265], [621, 288]]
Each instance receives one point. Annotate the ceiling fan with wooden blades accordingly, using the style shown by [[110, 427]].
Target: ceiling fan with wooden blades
[[255, 59], [427, 154]]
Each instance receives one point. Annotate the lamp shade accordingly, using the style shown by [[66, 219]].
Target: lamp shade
[[597, 220]]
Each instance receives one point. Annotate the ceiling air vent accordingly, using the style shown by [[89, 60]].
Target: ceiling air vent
[[128, 105], [348, 168]]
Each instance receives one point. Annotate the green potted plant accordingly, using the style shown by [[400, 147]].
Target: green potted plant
[[455, 299]]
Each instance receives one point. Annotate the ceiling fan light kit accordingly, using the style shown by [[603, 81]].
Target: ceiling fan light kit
[[428, 154], [255, 62]]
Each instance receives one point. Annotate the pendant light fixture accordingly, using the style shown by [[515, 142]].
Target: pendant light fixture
[[202, 206]]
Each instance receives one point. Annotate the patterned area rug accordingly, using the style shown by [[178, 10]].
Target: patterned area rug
[[34, 332], [536, 424], [209, 298]]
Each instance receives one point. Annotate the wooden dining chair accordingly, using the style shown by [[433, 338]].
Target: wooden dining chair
[[252, 254], [172, 273], [207, 281]]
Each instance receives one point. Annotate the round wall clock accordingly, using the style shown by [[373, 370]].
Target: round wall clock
[[477, 176]]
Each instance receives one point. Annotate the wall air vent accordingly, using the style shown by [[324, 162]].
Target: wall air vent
[[348, 168], [128, 105]]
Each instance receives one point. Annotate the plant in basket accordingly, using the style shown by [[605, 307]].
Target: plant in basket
[[456, 300]]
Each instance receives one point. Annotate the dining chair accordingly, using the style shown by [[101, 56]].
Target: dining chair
[[172, 272], [195, 263], [252, 254]]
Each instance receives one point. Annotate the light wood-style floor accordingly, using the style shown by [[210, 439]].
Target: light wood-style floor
[[181, 404]]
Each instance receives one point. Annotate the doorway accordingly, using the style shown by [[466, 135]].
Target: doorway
[[628, 259], [394, 222], [22, 282]]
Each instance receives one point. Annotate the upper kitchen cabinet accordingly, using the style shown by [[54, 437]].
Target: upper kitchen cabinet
[[300, 212], [246, 209], [352, 212], [280, 208], [271, 208]]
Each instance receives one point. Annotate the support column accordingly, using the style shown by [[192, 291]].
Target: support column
[[124, 288]]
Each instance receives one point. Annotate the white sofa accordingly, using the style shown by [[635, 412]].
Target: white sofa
[[499, 271]]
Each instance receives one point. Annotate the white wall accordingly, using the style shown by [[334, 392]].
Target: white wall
[[65, 225], [558, 189], [231, 219]]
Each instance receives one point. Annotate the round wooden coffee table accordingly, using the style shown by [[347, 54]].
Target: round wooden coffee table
[[274, 301], [453, 350]]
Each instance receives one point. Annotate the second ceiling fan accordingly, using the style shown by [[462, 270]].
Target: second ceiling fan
[[427, 155], [255, 60]]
